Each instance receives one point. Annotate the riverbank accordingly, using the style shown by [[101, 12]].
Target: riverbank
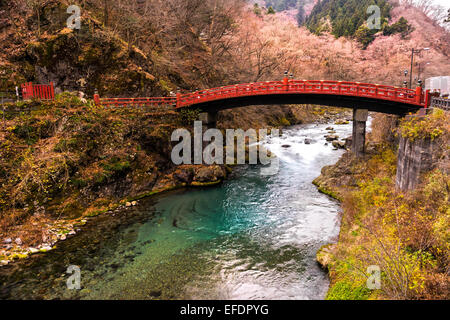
[[66, 161], [251, 237], [405, 234]]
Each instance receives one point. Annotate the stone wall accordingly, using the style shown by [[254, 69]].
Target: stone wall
[[414, 158]]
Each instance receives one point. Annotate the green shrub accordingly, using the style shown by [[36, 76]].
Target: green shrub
[[117, 166], [364, 35], [344, 290], [429, 127], [188, 116], [284, 122]]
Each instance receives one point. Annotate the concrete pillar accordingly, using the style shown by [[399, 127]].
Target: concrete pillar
[[209, 119], [359, 131]]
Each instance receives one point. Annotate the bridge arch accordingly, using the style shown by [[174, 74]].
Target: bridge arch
[[372, 97]]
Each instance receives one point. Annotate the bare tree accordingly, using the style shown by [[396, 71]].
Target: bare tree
[[36, 6]]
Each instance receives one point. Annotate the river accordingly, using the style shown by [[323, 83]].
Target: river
[[253, 237]]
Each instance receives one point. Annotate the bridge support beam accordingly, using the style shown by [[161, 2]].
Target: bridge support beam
[[360, 117], [209, 119]]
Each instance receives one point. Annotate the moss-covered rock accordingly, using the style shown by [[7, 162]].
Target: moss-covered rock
[[325, 255]]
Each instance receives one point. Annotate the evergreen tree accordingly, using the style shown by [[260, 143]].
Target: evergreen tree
[[270, 10], [364, 36], [401, 26], [257, 10], [349, 18]]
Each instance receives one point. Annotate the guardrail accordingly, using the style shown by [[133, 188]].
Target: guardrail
[[441, 103], [8, 96], [38, 91], [138, 102]]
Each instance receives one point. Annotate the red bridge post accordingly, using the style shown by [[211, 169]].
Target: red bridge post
[[427, 99], [97, 99], [178, 99], [419, 93], [52, 91], [286, 84]]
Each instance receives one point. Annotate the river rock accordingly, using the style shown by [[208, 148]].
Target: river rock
[[45, 249], [33, 250], [18, 241], [332, 137], [325, 255], [308, 141], [4, 262], [339, 144], [329, 129], [128, 204], [184, 175], [7, 241], [134, 203], [341, 122], [286, 146]]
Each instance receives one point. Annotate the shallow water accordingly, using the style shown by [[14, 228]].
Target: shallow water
[[253, 237]]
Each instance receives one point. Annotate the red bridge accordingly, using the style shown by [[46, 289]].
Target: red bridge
[[373, 97]]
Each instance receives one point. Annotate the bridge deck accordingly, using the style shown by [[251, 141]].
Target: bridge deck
[[286, 91], [365, 90]]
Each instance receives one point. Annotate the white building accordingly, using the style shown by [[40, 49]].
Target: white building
[[441, 84]]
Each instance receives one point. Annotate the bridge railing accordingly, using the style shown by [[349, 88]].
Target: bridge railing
[[137, 102], [441, 103], [286, 86]]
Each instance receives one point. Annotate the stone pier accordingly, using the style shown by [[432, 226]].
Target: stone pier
[[360, 117]]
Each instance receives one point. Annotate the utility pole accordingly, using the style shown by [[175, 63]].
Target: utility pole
[[411, 71], [422, 69], [413, 51]]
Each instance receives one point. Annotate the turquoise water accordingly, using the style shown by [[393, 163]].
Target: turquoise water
[[253, 237]]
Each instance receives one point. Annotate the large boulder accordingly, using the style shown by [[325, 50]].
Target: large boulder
[[332, 137], [325, 255], [184, 175], [339, 144], [209, 174]]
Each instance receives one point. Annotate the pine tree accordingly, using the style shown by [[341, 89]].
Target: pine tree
[[257, 10], [270, 10], [401, 26], [364, 36]]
